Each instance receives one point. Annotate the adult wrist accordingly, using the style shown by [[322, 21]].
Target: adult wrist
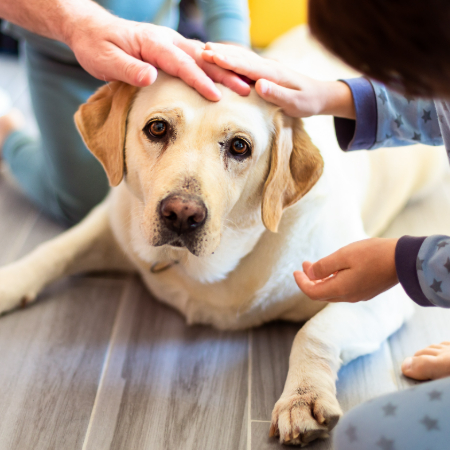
[[88, 17]]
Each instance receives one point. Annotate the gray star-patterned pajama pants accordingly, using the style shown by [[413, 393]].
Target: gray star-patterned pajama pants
[[414, 419]]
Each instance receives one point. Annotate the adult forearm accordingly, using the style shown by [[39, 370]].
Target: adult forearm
[[55, 19]]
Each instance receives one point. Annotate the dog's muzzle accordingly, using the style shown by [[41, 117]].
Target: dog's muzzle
[[183, 213]]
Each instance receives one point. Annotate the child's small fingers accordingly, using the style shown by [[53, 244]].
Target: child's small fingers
[[306, 265], [303, 282], [272, 92], [317, 290], [327, 266]]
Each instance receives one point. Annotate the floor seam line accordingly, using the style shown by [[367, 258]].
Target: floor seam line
[[106, 362], [249, 395]]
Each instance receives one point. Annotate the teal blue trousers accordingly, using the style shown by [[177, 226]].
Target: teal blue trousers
[[57, 172]]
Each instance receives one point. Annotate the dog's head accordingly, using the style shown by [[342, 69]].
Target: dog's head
[[195, 164]]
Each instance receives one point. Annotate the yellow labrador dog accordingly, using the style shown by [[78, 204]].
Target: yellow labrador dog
[[215, 205]]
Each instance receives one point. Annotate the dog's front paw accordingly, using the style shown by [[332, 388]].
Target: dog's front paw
[[304, 415], [15, 291]]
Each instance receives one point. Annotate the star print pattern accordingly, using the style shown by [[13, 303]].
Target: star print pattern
[[398, 120], [447, 265], [436, 286], [426, 115], [405, 120], [429, 423], [351, 433], [419, 264], [433, 270], [385, 444], [382, 96], [389, 409], [435, 395], [412, 419]]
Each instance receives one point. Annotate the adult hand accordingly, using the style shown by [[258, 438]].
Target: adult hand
[[297, 94], [359, 271], [110, 49]]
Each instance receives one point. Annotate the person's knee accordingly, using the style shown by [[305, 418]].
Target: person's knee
[[71, 209], [353, 429]]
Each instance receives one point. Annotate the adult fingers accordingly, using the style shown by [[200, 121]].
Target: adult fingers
[[126, 68], [424, 367], [208, 56], [190, 46], [215, 72], [178, 63], [227, 78], [242, 61]]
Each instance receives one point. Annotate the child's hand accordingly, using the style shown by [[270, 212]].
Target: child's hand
[[359, 271], [297, 94]]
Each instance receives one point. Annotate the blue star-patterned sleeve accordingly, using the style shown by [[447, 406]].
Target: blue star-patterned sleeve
[[433, 270], [423, 269], [404, 121], [385, 118]]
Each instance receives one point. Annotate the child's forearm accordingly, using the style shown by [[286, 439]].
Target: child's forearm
[[338, 100]]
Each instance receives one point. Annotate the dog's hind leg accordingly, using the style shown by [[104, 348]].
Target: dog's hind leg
[[308, 408], [89, 246]]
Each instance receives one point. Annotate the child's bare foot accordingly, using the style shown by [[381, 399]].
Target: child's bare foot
[[429, 364], [9, 123]]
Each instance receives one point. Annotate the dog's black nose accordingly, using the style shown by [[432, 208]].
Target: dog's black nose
[[183, 213]]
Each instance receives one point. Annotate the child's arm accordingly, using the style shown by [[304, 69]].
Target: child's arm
[[359, 271], [384, 118], [364, 269], [298, 95]]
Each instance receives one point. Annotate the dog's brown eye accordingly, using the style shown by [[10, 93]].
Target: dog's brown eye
[[158, 128], [239, 147]]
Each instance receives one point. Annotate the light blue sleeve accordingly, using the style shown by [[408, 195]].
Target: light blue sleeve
[[433, 269], [404, 121], [226, 20]]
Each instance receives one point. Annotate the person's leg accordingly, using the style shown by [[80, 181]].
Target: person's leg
[[9, 123], [57, 172], [414, 419]]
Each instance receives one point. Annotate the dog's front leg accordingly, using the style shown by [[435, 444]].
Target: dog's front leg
[[308, 408], [86, 247]]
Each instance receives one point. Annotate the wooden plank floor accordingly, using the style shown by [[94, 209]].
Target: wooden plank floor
[[97, 364]]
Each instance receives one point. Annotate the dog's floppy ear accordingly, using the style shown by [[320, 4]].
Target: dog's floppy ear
[[101, 122], [295, 166]]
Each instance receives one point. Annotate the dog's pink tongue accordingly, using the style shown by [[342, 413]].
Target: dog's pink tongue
[[246, 79]]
